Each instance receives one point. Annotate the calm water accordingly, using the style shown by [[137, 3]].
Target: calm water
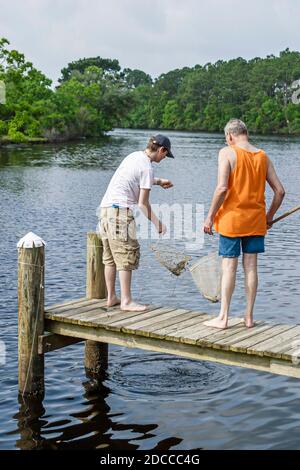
[[149, 400]]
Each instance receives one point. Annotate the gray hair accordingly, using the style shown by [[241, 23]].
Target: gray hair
[[235, 127]]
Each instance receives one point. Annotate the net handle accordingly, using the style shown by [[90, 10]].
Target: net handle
[[286, 214]]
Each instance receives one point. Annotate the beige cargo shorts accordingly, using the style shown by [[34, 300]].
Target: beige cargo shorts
[[117, 229]]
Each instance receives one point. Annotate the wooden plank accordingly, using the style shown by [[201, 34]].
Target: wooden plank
[[226, 343], [162, 320], [64, 304], [101, 305], [213, 340], [207, 332], [293, 352], [195, 352], [280, 367], [51, 342], [191, 334], [134, 317], [76, 312], [248, 343], [91, 318], [123, 315], [273, 346], [75, 306], [167, 332], [100, 318], [189, 318]]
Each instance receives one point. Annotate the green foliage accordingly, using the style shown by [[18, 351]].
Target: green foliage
[[135, 78], [94, 95], [109, 66], [258, 91], [91, 99]]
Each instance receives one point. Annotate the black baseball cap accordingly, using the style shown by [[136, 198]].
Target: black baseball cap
[[164, 141]]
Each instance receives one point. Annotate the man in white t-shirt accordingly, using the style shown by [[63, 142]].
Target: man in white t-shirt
[[130, 185]]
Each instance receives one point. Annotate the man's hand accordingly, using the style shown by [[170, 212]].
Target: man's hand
[[161, 228], [166, 184], [207, 227]]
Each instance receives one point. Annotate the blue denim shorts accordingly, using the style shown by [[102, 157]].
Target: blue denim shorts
[[230, 247]]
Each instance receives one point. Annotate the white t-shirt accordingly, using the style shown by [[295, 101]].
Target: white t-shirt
[[134, 173]]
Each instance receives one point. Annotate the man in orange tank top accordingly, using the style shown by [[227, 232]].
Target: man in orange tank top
[[238, 213]]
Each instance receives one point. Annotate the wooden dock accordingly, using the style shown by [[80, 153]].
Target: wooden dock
[[266, 347]]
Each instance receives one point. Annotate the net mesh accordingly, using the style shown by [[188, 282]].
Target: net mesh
[[207, 274], [171, 259]]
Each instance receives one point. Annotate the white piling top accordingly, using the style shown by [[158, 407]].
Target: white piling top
[[31, 240]]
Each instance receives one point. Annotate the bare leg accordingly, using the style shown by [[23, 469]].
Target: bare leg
[[110, 280], [126, 299], [229, 267], [251, 282]]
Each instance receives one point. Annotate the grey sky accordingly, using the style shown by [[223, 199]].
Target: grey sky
[[153, 35]]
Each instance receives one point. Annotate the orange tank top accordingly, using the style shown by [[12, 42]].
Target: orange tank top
[[243, 212]]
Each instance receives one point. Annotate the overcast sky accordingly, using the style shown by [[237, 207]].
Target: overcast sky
[[153, 35]]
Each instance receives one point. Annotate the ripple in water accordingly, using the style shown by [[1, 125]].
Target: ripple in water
[[163, 377]]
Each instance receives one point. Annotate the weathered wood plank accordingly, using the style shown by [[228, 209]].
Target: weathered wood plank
[[226, 343], [164, 318], [101, 306], [64, 316], [65, 303], [213, 340], [273, 346], [130, 319], [174, 332], [75, 306], [293, 352], [51, 342], [248, 343], [154, 319], [184, 321], [122, 315], [195, 335]]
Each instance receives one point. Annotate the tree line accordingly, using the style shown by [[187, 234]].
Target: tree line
[[94, 95]]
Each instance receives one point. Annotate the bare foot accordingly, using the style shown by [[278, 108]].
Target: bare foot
[[216, 323], [113, 301], [249, 322], [133, 307]]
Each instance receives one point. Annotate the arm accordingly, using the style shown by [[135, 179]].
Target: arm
[[220, 191], [145, 207], [278, 190], [166, 184]]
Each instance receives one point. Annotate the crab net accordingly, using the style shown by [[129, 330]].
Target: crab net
[[207, 275], [173, 260]]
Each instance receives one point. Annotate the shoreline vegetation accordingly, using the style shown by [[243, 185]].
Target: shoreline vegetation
[[94, 96]]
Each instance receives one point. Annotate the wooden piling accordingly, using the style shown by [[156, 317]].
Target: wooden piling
[[31, 262], [96, 354]]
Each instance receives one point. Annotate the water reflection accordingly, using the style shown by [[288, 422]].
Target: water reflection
[[95, 428]]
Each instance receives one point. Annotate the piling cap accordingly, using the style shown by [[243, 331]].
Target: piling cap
[[31, 240]]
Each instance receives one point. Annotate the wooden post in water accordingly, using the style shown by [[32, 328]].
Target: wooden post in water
[[96, 354], [31, 262]]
